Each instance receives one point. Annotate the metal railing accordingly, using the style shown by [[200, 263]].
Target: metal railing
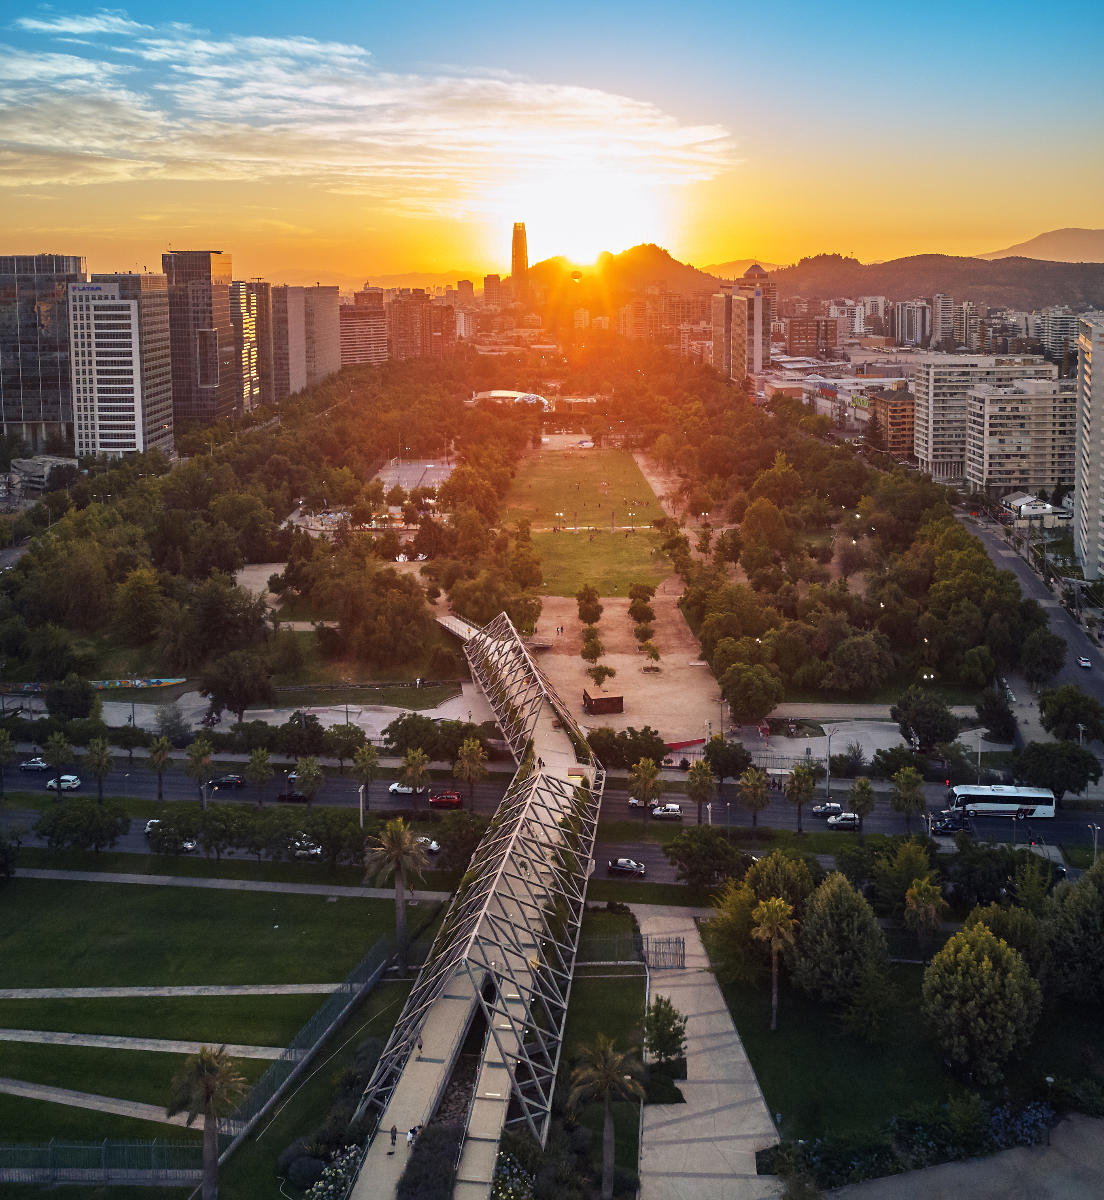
[[118, 1162]]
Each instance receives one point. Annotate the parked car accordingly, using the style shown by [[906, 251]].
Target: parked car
[[290, 797], [446, 800], [68, 783], [404, 789], [227, 781], [624, 866], [34, 764], [828, 809], [428, 845], [635, 803], [1085, 661], [305, 847], [844, 820], [667, 812]]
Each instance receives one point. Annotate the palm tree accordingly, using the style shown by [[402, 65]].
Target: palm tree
[[199, 763], [7, 753], [754, 788], [605, 1075], [414, 772], [396, 852], [259, 771], [308, 776], [98, 761], [208, 1085], [160, 755], [471, 765], [57, 752], [908, 794], [799, 788], [645, 785], [366, 768], [924, 909], [860, 799], [774, 924], [701, 785]]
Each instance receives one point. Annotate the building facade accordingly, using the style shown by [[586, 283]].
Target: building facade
[[1088, 495], [122, 364], [289, 349], [1021, 436], [892, 417], [807, 337], [942, 322], [36, 386], [912, 322], [941, 384], [251, 316], [519, 262], [206, 375], [364, 329], [492, 291], [1060, 330], [322, 331], [419, 328], [730, 324]]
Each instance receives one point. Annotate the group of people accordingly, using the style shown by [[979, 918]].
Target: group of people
[[411, 1135]]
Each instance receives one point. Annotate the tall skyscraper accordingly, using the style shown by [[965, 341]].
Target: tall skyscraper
[[1088, 495], [492, 291], [289, 344], [322, 325], [912, 322], [206, 377], [519, 262], [36, 399], [942, 322], [730, 329], [251, 316], [122, 365], [756, 288]]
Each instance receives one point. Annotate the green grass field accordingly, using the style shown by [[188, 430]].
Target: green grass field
[[610, 562], [585, 486], [37, 1121]]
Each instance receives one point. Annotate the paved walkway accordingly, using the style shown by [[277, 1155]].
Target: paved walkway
[[45, 1037], [703, 1149], [108, 1104], [195, 989]]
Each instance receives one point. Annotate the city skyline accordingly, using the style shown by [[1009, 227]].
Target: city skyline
[[409, 143]]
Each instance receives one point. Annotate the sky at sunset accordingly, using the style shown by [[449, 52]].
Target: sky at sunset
[[342, 142]]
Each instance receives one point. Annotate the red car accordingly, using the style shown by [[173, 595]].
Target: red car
[[446, 800]]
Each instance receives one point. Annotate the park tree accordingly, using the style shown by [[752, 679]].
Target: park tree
[[995, 713], [860, 801], [799, 788], [645, 783], [922, 715], [754, 792], [773, 924], [732, 950], [781, 874], [838, 941], [1073, 924], [592, 649], [1061, 766], [160, 755], [411, 731], [366, 767], [590, 610], [701, 785], [601, 674], [1042, 656], [907, 796], [83, 825], [1021, 929], [980, 1001], [751, 692], [470, 766], [727, 760], [602, 1076], [664, 1031], [704, 857], [896, 871], [70, 699], [924, 909], [460, 833], [1069, 713], [259, 771], [395, 853], [209, 1085], [98, 761], [343, 741], [139, 604], [236, 680], [860, 663], [414, 772], [308, 776], [57, 752], [172, 725]]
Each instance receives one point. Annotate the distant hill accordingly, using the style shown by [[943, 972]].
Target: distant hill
[[1022, 283], [735, 268], [1059, 245], [632, 270]]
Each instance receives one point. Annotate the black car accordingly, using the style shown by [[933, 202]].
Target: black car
[[227, 781], [293, 798], [828, 809], [624, 866]]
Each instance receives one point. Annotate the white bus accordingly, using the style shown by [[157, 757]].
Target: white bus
[[998, 800]]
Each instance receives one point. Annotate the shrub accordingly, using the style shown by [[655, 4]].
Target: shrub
[[304, 1171], [429, 1173]]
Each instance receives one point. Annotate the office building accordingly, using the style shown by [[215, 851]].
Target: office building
[[966, 326], [892, 419], [1021, 436], [759, 293], [122, 365], [289, 350], [322, 331], [364, 329], [206, 378], [419, 328], [874, 307], [492, 291], [519, 262], [912, 322], [251, 317], [850, 320], [942, 322], [941, 384], [1059, 329], [730, 326], [36, 397], [806, 337], [1088, 495], [465, 293]]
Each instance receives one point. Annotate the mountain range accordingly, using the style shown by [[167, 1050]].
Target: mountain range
[[1059, 245]]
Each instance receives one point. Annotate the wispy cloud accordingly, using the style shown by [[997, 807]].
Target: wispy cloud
[[255, 108]]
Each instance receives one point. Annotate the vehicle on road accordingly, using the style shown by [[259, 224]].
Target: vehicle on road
[[1085, 661], [635, 803], [428, 845], [34, 764], [829, 809], [844, 820], [404, 789], [291, 797], [999, 800], [667, 812], [625, 866], [948, 826], [67, 783], [446, 800], [227, 781], [305, 847]]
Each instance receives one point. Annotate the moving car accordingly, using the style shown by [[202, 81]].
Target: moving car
[[404, 789], [68, 783], [667, 812], [292, 798], [1085, 661], [844, 820], [428, 845], [828, 809], [446, 800], [227, 781], [34, 764], [624, 866]]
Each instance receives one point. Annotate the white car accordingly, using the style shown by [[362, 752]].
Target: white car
[[34, 764], [404, 789], [844, 820], [428, 845], [305, 847], [67, 783], [1085, 661]]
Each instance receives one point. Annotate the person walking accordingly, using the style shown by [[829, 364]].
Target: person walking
[[394, 1134], [410, 1136]]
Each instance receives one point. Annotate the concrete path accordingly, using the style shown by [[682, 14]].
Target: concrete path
[[44, 1037], [196, 989], [108, 1104], [227, 885], [703, 1149], [1070, 1168]]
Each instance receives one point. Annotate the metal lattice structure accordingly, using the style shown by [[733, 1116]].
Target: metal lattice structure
[[511, 934]]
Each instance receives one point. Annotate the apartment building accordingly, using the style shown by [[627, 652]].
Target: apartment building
[[1021, 436], [1088, 495]]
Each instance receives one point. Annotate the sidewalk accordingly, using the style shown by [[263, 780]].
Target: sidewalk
[[189, 990], [703, 1149], [120, 1108], [45, 1037]]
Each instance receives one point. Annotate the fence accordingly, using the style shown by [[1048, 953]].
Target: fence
[[107, 1162], [663, 953]]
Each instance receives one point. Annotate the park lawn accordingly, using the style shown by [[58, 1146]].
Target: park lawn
[[889, 693], [141, 1075], [37, 1121], [584, 486], [607, 561], [250, 1174], [605, 935], [247, 1020], [412, 698], [75, 934]]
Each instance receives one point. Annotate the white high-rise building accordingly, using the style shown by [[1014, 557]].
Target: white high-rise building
[[1059, 329], [1088, 495], [875, 306], [941, 385], [942, 321], [322, 331], [122, 368], [850, 319], [1021, 436], [912, 322]]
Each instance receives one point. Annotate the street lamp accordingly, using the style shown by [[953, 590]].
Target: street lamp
[[1080, 734], [828, 763], [1095, 830], [978, 732]]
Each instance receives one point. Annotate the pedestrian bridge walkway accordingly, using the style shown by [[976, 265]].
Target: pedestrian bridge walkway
[[501, 966]]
